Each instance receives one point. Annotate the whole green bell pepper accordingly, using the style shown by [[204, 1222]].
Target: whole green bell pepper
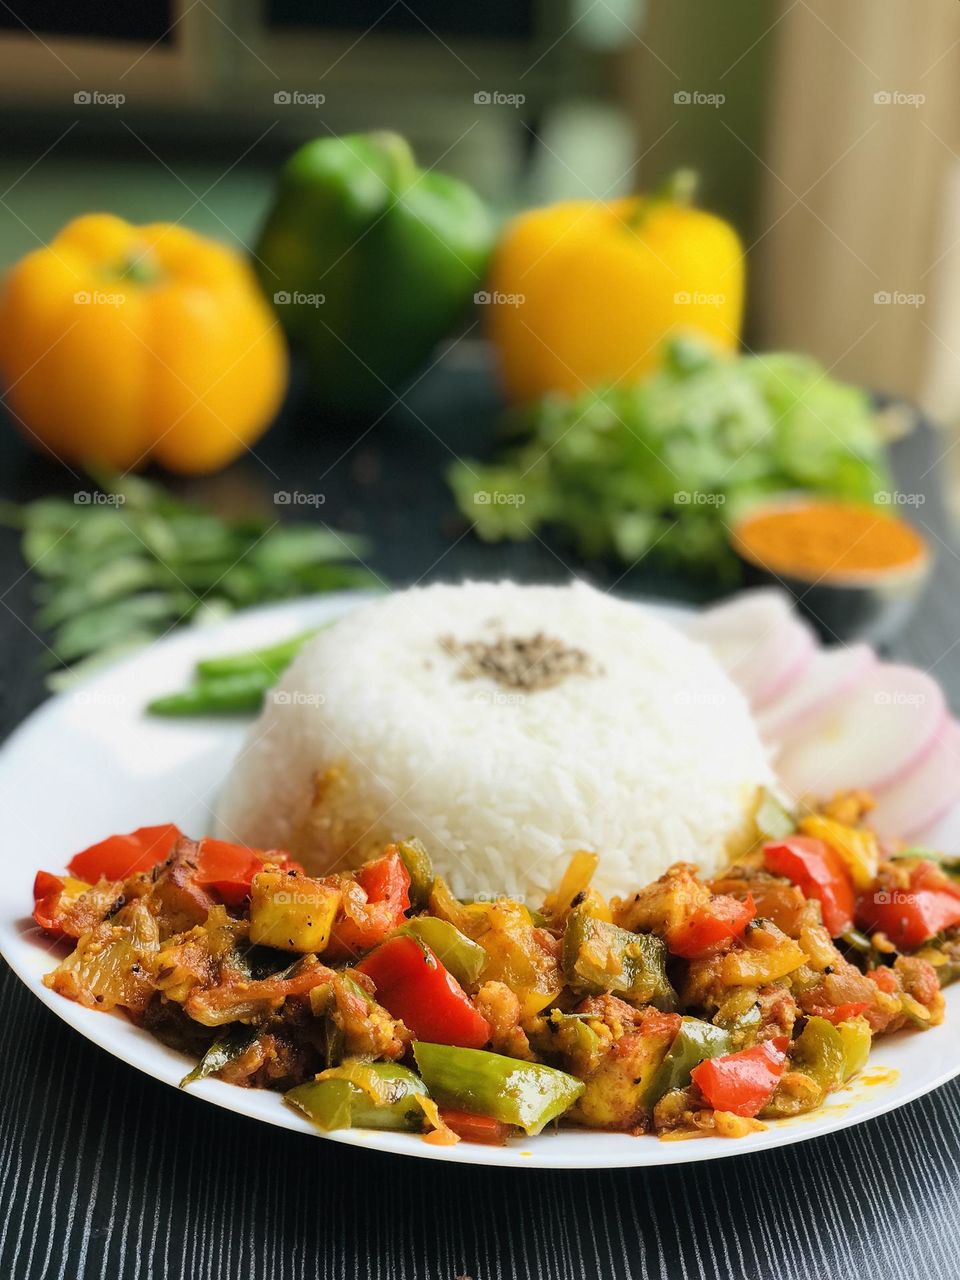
[[370, 261]]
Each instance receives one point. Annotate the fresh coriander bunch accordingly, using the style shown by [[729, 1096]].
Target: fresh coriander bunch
[[664, 465]]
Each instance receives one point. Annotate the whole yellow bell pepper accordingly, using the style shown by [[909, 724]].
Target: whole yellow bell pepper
[[584, 294], [123, 344]]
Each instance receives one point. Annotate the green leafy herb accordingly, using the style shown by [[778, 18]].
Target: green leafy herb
[[664, 465], [113, 574]]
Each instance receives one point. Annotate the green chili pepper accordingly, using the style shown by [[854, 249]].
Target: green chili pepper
[[599, 957], [455, 951], [856, 1039], [272, 660], [419, 866], [695, 1042], [361, 1095], [525, 1094], [240, 692]]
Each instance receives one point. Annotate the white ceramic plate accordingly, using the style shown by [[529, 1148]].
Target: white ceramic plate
[[90, 763]]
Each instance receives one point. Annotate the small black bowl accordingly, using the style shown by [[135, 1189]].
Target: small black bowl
[[868, 605]]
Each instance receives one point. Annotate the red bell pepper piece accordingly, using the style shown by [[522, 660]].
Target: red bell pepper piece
[[840, 1012], [121, 856], [362, 926], [475, 1128], [742, 1082], [719, 920], [228, 869], [910, 916], [47, 890], [819, 872], [414, 986]]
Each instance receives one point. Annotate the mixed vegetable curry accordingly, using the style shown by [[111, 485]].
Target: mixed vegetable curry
[[376, 999]]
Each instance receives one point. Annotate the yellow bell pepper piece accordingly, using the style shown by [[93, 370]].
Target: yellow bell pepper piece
[[585, 293], [122, 344], [575, 885], [505, 930], [856, 846]]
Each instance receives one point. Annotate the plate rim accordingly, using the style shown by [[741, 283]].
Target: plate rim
[[618, 1150]]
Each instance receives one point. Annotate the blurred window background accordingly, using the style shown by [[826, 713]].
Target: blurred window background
[[830, 134]]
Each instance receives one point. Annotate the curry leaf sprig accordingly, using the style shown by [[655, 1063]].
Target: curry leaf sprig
[[114, 574]]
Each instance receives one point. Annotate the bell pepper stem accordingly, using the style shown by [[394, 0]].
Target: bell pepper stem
[[677, 188], [396, 147]]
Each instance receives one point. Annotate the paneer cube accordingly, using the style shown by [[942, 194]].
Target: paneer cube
[[291, 911]]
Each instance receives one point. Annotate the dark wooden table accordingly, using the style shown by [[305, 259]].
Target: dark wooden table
[[104, 1172]]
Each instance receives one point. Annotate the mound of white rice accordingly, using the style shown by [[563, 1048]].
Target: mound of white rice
[[382, 729]]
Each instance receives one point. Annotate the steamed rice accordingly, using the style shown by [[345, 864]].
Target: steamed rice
[[647, 756]]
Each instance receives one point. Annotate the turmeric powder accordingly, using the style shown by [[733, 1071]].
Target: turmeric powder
[[822, 538]]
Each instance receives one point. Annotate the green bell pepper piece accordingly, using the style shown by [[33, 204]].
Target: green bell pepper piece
[[817, 1052], [566, 1038], [229, 1045], [695, 1042], [370, 261], [525, 1094], [740, 1015], [601, 957], [455, 951], [419, 867], [361, 1095]]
